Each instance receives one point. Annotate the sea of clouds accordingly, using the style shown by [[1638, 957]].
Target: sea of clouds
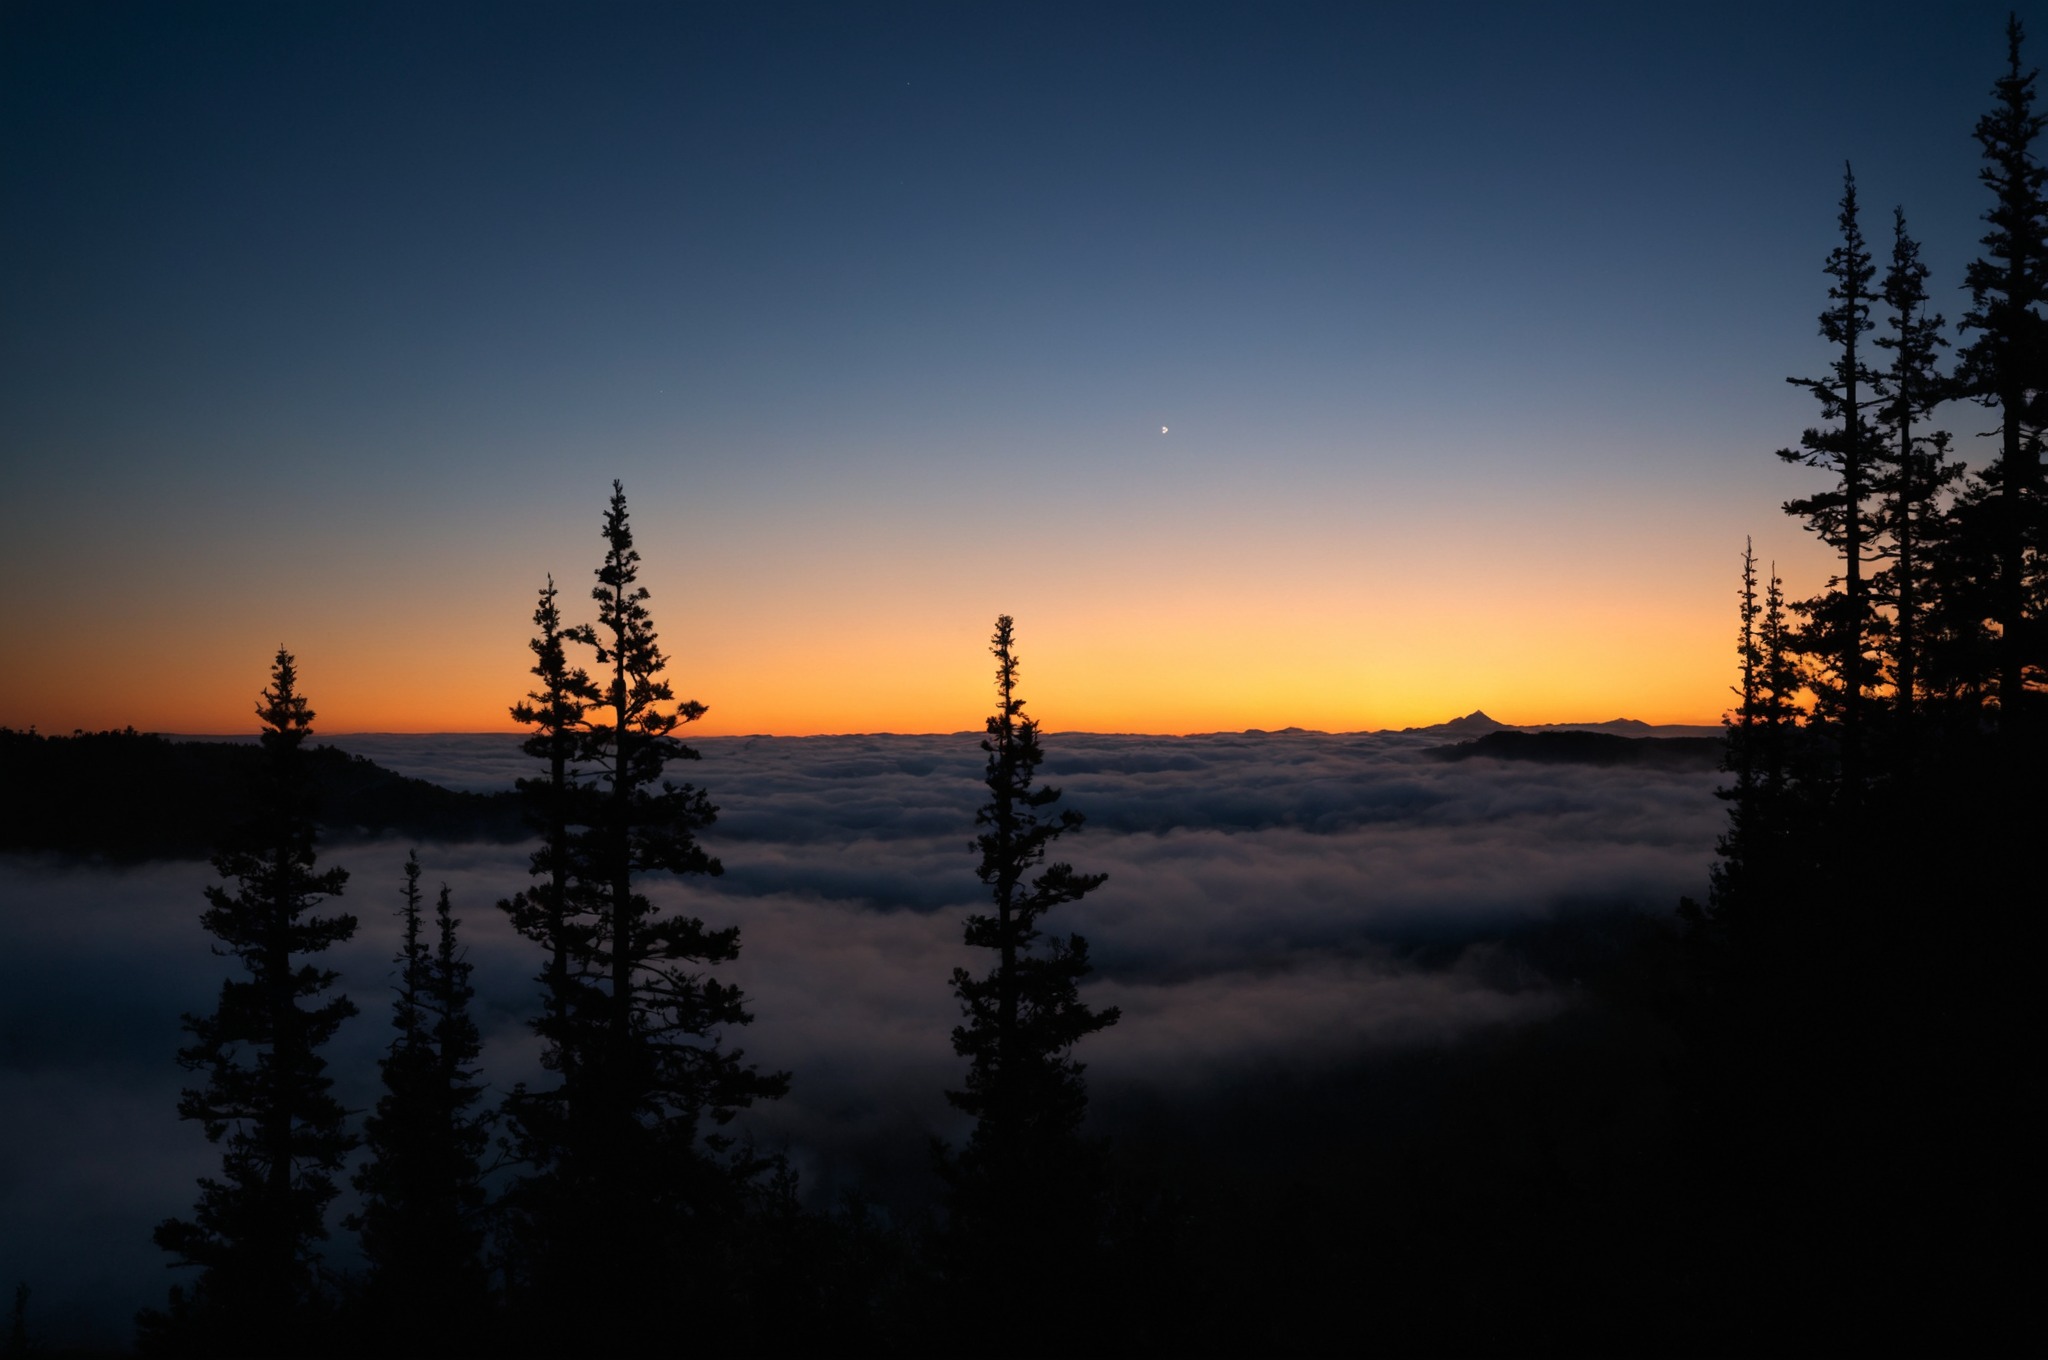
[[1275, 901]]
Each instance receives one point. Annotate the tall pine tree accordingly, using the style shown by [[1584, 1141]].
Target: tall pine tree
[[267, 1097], [423, 1197], [546, 1123], [1871, 1093], [2005, 367], [1757, 855], [1838, 633], [1021, 1190], [1911, 476], [634, 1195]]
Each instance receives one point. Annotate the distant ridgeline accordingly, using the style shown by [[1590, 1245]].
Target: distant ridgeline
[[129, 796], [1590, 748]]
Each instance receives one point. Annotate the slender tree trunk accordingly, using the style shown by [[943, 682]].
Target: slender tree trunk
[[1006, 891], [2021, 474], [1909, 605], [275, 1243], [558, 921], [1852, 552], [622, 873]]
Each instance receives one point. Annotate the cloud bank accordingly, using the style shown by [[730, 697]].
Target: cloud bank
[[1288, 898]]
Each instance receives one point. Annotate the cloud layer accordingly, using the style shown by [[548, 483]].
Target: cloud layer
[[1272, 898]]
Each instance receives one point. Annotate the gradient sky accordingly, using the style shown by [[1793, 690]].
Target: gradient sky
[[329, 325]]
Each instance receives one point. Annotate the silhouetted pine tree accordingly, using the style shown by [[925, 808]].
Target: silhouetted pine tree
[[2006, 367], [1743, 751], [553, 912], [1749, 689], [266, 1097], [422, 1188], [639, 1198], [1870, 1095], [1912, 477], [1023, 1197], [545, 913], [1777, 688], [1838, 629], [1759, 852]]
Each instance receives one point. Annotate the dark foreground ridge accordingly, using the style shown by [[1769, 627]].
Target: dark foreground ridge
[[130, 796], [1590, 748]]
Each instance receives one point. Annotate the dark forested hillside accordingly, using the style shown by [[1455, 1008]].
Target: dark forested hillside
[[130, 796], [1590, 748]]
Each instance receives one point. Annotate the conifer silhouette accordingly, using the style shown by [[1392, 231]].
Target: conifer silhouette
[[1870, 942], [2006, 367], [632, 1189], [266, 1098], [548, 1125], [1912, 475], [1837, 636], [422, 1190], [1021, 1191]]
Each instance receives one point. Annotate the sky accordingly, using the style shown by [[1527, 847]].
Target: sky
[[1277, 905], [1334, 366]]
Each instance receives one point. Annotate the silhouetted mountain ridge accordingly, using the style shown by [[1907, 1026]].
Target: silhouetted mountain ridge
[[129, 796], [1478, 723], [1475, 723], [1580, 747]]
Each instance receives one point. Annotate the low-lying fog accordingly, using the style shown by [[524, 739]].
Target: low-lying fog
[[1275, 901]]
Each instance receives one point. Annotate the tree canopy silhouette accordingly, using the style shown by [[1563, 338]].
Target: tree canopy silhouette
[[267, 1096], [1021, 1191], [1864, 1086], [632, 1188], [2005, 367], [1837, 635], [423, 1197]]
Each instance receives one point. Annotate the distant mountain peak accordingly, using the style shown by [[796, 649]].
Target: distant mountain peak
[[1474, 723], [1479, 723]]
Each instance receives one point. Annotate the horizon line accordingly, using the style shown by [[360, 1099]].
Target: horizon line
[[322, 735]]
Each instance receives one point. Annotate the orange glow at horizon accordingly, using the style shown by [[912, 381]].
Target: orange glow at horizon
[[1083, 673], [804, 625]]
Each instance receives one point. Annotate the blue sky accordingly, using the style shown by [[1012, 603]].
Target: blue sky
[[331, 324]]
